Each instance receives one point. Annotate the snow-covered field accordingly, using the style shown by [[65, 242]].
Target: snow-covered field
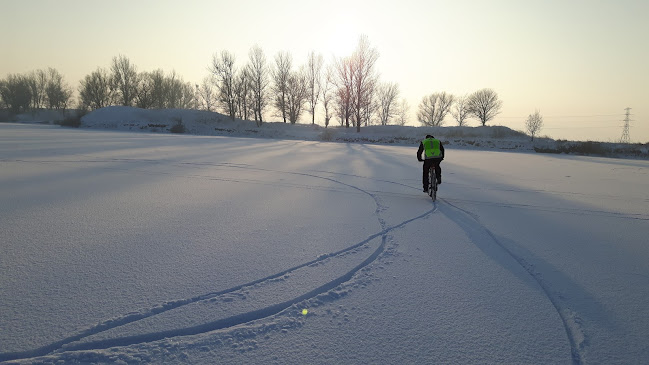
[[140, 247]]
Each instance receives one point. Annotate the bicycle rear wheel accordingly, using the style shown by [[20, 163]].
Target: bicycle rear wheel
[[432, 183]]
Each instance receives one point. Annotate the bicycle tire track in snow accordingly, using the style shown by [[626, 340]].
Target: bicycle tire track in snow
[[76, 342], [478, 234]]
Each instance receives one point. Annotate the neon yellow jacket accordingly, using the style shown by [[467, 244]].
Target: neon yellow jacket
[[432, 147]]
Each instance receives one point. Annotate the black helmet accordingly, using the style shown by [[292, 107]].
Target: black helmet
[[429, 136]]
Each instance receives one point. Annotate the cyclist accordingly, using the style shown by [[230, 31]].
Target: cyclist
[[434, 153]]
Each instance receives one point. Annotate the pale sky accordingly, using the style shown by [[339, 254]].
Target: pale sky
[[579, 62]]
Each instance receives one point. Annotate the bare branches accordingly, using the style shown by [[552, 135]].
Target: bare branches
[[534, 123], [124, 79], [224, 74], [364, 79], [460, 110], [356, 82], [95, 91], [243, 92], [387, 94], [484, 105], [403, 112], [433, 109], [206, 94], [314, 82], [157, 90], [280, 74], [144, 95], [16, 93], [345, 90], [37, 83], [58, 92], [328, 92], [258, 72], [296, 95]]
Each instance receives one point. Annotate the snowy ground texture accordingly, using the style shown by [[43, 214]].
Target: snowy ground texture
[[125, 247]]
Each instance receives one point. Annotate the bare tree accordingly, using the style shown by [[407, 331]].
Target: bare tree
[[95, 91], [433, 109], [484, 105], [3, 103], [124, 79], [16, 93], [57, 90], [243, 92], [460, 110], [403, 111], [297, 94], [328, 91], [363, 79], [173, 90], [37, 83], [534, 123], [225, 75], [258, 72], [179, 94], [342, 107], [206, 94], [372, 105], [387, 94], [280, 74], [144, 96], [197, 92], [314, 81], [188, 96], [345, 89], [158, 89]]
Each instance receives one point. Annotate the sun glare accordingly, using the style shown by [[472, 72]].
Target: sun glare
[[341, 39]]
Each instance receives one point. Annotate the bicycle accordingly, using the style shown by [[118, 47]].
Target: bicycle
[[432, 183]]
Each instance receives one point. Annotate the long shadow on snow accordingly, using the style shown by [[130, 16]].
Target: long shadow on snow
[[499, 249]]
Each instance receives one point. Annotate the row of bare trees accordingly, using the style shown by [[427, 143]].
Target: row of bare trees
[[36, 90], [483, 105], [121, 85], [124, 85], [241, 93], [248, 91], [347, 90]]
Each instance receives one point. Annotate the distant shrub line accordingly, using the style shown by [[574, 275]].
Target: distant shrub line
[[591, 148]]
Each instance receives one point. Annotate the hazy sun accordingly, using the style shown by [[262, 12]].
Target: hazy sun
[[340, 39]]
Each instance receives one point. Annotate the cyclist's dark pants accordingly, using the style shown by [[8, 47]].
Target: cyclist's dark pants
[[438, 170]]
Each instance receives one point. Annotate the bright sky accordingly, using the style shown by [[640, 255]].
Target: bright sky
[[579, 62]]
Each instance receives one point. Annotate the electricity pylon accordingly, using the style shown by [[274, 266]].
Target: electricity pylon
[[625, 132]]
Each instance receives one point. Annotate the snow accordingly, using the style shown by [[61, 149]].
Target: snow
[[122, 247], [209, 123]]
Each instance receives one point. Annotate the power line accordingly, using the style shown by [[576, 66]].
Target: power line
[[582, 127], [569, 116], [583, 116]]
